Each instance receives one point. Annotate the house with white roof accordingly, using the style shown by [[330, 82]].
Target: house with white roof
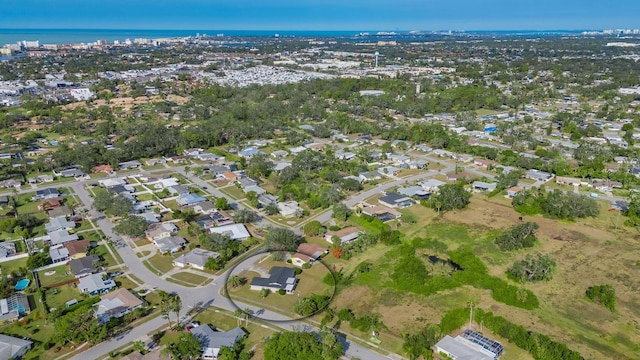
[[116, 304], [95, 284], [234, 231]]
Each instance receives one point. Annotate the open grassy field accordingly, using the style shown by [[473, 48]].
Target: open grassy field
[[189, 278], [587, 252]]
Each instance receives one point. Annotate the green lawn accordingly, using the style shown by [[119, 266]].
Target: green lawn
[[310, 282], [190, 278], [225, 321], [56, 298], [124, 282], [234, 191], [162, 263], [62, 273], [145, 197], [13, 265], [102, 251]]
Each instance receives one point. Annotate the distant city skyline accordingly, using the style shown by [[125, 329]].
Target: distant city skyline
[[398, 15]]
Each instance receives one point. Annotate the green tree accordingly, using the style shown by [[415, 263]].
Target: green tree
[[517, 237], [236, 281], [302, 345], [281, 239], [533, 268], [341, 212], [271, 209], [132, 226], [450, 197], [38, 260], [313, 228], [187, 347], [222, 203], [245, 216]]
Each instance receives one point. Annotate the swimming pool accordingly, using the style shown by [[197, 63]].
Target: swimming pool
[[22, 284]]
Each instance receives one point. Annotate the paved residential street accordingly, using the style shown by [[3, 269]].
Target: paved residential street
[[205, 296]]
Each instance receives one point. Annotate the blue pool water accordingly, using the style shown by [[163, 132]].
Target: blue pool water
[[22, 284]]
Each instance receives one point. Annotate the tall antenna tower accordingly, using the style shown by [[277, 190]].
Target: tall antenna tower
[[377, 54]]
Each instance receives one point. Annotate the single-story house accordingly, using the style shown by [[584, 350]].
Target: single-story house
[[413, 191], [279, 153], [47, 194], [61, 236], [280, 278], [369, 176], [307, 253], [395, 200], [151, 218], [60, 211], [189, 199], [111, 182], [13, 347], [484, 163], [483, 186], [95, 284], [266, 199], [538, 175], [14, 307], [58, 254], [289, 208], [212, 341], [455, 176], [564, 180], [432, 185], [512, 191], [196, 258], [469, 345], [205, 207], [381, 212], [77, 249], [7, 249], [234, 231], [249, 152], [345, 235], [59, 223], [160, 230], [170, 244], [230, 176], [84, 266], [134, 164], [103, 169], [177, 189], [116, 304]]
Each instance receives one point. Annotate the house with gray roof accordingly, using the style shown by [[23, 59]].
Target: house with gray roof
[[95, 284], [84, 266], [13, 347], [212, 341], [189, 199], [396, 200], [47, 194], [171, 244], [59, 223], [196, 258], [483, 186], [58, 254], [413, 191], [61, 236], [280, 277], [13, 307]]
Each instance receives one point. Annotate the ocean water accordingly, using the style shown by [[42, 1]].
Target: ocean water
[[75, 36]]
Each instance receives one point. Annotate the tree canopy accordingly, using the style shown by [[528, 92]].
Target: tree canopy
[[131, 225], [303, 346], [282, 239]]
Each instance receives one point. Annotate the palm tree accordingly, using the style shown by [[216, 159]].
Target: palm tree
[[176, 306], [238, 314], [247, 313], [165, 305], [236, 281]]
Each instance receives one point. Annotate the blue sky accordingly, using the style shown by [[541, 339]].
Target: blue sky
[[321, 15]]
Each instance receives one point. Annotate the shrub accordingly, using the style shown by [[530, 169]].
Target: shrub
[[281, 291], [604, 295]]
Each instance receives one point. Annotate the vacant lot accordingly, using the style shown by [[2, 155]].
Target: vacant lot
[[587, 252]]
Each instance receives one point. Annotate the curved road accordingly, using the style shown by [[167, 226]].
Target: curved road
[[191, 297]]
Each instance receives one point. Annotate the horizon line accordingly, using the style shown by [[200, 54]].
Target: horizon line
[[331, 30]]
